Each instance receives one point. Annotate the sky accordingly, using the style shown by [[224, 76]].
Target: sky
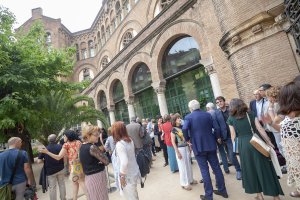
[[75, 15]]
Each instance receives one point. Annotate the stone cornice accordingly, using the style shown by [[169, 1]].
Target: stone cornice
[[143, 37], [250, 31]]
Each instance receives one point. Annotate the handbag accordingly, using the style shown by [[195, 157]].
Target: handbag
[[6, 190], [258, 143]]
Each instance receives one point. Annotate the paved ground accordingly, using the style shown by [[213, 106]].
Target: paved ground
[[161, 184]]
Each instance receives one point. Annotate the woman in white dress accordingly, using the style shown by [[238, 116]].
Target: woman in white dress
[[129, 174]]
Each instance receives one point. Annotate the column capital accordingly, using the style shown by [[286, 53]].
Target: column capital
[[129, 100], [159, 87], [210, 69], [111, 108]]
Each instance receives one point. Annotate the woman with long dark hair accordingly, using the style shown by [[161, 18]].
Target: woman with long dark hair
[[258, 173], [289, 101], [129, 174]]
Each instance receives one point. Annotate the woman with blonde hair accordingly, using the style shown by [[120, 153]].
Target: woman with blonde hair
[[70, 148], [93, 163], [129, 173]]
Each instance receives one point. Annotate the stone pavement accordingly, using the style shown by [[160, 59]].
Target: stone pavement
[[161, 184]]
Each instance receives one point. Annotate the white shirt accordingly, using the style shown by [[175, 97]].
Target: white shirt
[[259, 105]]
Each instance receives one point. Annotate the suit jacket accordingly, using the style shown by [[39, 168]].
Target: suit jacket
[[200, 124], [135, 133], [220, 123], [252, 107]]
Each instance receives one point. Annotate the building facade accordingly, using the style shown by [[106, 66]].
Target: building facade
[[151, 57]]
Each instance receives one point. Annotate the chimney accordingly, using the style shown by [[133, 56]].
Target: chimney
[[37, 13]]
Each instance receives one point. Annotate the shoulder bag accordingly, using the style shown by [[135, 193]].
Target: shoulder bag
[[6, 190], [258, 143]]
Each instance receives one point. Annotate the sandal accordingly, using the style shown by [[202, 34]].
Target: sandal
[[187, 188], [295, 194]]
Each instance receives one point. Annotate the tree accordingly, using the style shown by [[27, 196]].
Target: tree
[[29, 70], [58, 110]]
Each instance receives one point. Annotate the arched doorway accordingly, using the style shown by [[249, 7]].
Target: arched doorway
[[121, 111], [145, 100], [185, 76], [103, 105]]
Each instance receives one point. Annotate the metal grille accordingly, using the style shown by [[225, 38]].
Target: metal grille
[[292, 11]]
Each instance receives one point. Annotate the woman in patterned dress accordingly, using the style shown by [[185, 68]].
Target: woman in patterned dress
[[70, 148], [289, 101]]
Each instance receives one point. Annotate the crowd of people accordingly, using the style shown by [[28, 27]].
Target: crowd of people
[[214, 137]]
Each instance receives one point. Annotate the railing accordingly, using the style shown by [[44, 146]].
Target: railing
[[292, 12]]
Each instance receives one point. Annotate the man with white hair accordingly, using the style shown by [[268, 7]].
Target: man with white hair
[[54, 169], [200, 125], [15, 168]]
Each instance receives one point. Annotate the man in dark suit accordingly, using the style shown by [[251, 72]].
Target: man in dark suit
[[221, 116], [200, 125], [257, 103]]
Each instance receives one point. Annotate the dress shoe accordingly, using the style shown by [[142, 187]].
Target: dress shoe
[[201, 181], [227, 171], [238, 175], [166, 164], [229, 164], [224, 195], [188, 188], [220, 163], [295, 194], [203, 197]]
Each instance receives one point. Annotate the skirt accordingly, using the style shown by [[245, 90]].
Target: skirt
[[96, 186]]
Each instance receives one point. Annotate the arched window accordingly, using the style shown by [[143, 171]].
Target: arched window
[[103, 63], [141, 78], [77, 52], [91, 48], [48, 38], [103, 39], [118, 91], [127, 38], [83, 50], [102, 100], [182, 54], [127, 6], [86, 74], [118, 13]]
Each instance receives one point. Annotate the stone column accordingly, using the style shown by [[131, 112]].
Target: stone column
[[129, 103], [162, 103], [112, 117], [214, 80]]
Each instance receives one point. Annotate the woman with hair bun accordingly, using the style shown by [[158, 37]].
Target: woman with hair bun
[[70, 148]]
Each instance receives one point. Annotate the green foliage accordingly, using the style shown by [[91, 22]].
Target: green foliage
[[31, 91], [35, 152]]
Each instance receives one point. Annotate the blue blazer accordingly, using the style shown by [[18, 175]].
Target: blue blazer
[[200, 124], [221, 123], [253, 107]]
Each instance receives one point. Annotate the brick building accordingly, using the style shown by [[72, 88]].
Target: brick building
[[149, 57]]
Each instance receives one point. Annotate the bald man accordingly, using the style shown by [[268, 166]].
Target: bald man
[[54, 169], [23, 174]]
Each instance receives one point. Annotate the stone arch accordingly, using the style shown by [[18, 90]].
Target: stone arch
[[130, 66], [81, 67], [150, 10], [173, 31], [115, 76], [132, 24], [103, 53], [100, 87]]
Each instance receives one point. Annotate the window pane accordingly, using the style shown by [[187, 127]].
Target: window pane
[[118, 92], [141, 78], [180, 55]]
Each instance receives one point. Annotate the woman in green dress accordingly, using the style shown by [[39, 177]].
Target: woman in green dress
[[258, 173]]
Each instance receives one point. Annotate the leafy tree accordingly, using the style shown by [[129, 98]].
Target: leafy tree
[[29, 70], [58, 110]]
